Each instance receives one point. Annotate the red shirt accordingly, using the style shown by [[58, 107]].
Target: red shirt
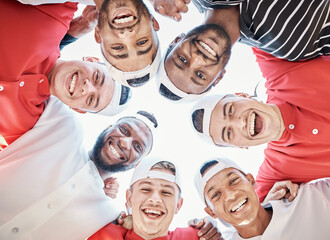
[[29, 48], [115, 232], [302, 92]]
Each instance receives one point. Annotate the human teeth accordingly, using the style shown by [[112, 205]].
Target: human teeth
[[207, 48], [252, 123], [72, 83], [239, 206], [152, 211], [114, 151], [124, 19]]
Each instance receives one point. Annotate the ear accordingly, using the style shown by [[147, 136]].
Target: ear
[[128, 198], [220, 76], [209, 211], [250, 178], [178, 205], [245, 95], [155, 24], [78, 110], [97, 35]]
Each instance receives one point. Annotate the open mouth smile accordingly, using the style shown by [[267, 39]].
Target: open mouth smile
[[72, 83], [255, 125], [116, 152], [207, 48], [153, 213], [239, 206]]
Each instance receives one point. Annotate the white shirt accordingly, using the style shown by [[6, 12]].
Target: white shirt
[[305, 218], [48, 186], [38, 2]]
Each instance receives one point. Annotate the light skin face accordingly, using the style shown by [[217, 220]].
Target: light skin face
[[191, 67], [242, 121], [130, 45], [84, 86], [127, 142], [154, 203], [230, 195]]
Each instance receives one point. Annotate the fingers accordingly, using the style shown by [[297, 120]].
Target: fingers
[[293, 192], [181, 5], [160, 9], [193, 222], [111, 187]]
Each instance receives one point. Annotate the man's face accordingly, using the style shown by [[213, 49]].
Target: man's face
[[122, 145], [154, 203], [240, 121], [230, 196], [195, 62], [127, 36], [81, 85]]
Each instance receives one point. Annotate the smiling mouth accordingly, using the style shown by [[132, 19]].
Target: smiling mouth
[[152, 213], [115, 152], [239, 206], [207, 48], [125, 18], [72, 83], [255, 125]]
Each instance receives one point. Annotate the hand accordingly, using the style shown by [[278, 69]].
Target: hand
[[283, 189], [111, 187], [85, 23], [208, 228], [171, 8], [125, 220]]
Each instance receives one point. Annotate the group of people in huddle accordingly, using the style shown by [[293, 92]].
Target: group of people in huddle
[[52, 191]]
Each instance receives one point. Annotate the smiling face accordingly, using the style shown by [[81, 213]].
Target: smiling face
[[126, 32], [81, 85], [197, 60], [230, 196], [154, 203], [122, 145], [240, 121]]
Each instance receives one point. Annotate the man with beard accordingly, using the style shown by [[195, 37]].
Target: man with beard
[[294, 121], [229, 195], [52, 189], [126, 32], [154, 197], [294, 30], [30, 70]]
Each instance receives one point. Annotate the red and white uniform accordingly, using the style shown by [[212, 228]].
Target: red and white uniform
[[29, 48], [301, 90], [115, 232]]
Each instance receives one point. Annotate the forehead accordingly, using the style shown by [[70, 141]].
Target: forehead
[[219, 178], [156, 183]]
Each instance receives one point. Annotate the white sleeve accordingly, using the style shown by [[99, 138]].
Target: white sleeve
[[39, 2]]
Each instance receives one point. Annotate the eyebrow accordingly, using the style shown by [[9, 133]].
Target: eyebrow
[[125, 55], [224, 128], [148, 182], [211, 188], [143, 52], [131, 129], [195, 81], [177, 65], [120, 56], [100, 85]]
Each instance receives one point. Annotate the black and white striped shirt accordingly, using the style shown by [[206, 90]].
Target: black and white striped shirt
[[290, 29]]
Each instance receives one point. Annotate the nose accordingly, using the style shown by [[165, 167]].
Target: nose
[[196, 60], [155, 197], [237, 122], [229, 194], [125, 143], [127, 32], [87, 87]]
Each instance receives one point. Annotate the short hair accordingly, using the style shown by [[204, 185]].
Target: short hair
[[126, 95], [150, 116], [207, 166], [165, 165], [164, 91], [197, 119]]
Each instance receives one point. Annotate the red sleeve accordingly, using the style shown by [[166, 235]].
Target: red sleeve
[[109, 232], [188, 233]]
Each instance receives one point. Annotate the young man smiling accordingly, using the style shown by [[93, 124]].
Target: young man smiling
[[154, 197], [229, 195], [31, 70], [61, 182], [292, 30], [294, 121]]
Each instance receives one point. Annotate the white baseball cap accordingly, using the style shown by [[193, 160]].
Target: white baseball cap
[[143, 170], [207, 104], [168, 90], [116, 106], [135, 78]]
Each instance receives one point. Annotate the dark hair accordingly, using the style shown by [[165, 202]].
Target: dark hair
[[197, 119], [126, 95], [165, 92], [207, 165], [150, 116], [137, 82]]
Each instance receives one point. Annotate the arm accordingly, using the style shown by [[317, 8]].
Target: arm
[[282, 190], [171, 8]]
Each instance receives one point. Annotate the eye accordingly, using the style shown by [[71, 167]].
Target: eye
[[234, 180], [140, 43], [230, 111], [146, 190], [90, 100], [166, 193], [215, 195], [123, 130], [118, 47], [138, 148], [229, 133], [97, 77], [200, 75], [182, 59]]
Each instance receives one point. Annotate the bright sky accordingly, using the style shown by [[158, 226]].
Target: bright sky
[[175, 139]]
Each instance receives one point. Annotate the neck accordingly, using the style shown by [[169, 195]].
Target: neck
[[228, 18], [258, 226], [98, 4]]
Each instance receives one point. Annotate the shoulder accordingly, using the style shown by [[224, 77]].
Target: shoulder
[[188, 233]]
